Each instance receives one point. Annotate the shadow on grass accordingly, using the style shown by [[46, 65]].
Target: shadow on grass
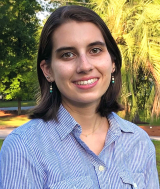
[[11, 119], [4, 104]]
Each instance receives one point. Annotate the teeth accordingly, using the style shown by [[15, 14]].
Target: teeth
[[90, 81]]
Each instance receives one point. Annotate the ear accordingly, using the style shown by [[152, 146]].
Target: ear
[[113, 67], [46, 69]]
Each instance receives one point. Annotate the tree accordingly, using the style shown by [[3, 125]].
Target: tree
[[18, 46], [58, 3], [135, 27]]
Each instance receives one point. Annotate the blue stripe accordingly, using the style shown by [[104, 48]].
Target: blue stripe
[[51, 155]]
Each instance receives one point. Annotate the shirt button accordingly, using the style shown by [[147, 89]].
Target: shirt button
[[101, 168], [135, 185]]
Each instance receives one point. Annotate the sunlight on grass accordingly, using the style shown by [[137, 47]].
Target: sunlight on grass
[[13, 121], [26, 103]]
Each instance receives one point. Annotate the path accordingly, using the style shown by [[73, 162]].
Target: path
[[16, 108], [5, 132]]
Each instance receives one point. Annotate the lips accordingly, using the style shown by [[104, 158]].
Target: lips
[[86, 82]]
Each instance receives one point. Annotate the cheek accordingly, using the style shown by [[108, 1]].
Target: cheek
[[106, 69], [62, 72], [105, 64]]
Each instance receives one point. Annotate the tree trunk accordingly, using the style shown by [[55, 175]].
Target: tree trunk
[[156, 103], [19, 106], [136, 119]]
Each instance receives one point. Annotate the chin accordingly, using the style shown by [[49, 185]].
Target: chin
[[85, 102]]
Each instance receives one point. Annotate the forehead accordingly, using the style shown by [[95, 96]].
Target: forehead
[[76, 33]]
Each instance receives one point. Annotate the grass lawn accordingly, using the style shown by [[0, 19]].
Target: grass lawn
[[5, 104], [154, 122], [1, 142], [13, 121], [157, 146], [10, 118]]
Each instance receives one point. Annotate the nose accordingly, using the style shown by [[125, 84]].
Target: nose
[[84, 66]]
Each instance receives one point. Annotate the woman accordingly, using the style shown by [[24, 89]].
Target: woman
[[74, 139]]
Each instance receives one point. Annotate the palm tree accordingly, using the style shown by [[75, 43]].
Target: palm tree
[[135, 26], [57, 3]]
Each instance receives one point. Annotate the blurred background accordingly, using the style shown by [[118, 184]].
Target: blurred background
[[135, 25]]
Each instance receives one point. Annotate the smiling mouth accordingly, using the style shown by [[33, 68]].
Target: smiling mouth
[[87, 82]]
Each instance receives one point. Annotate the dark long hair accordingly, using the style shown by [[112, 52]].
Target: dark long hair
[[50, 102]]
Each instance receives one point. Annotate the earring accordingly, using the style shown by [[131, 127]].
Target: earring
[[47, 77], [51, 89], [112, 79]]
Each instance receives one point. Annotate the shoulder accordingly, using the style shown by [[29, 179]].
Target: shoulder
[[17, 158], [29, 136], [28, 129], [17, 136], [135, 135]]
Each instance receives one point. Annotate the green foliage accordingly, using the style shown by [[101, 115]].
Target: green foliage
[[58, 3], [18, 46], [135, 26], [1, 142], [143, 93]]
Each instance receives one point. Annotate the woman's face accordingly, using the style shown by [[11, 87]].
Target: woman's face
[[81, 65]]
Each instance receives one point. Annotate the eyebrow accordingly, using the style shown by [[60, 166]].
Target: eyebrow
[[64, 48], [97, 43], [73, 48]]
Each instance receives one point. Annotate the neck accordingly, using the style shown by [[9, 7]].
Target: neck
[[85, 116]]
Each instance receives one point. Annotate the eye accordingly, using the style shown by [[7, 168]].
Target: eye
[[95, 51], [68, 55]]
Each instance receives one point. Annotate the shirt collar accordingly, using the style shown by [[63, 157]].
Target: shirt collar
[[66, 123], [117, 123]]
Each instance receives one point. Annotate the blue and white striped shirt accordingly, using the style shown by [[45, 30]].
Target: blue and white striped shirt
[[51, 155]]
